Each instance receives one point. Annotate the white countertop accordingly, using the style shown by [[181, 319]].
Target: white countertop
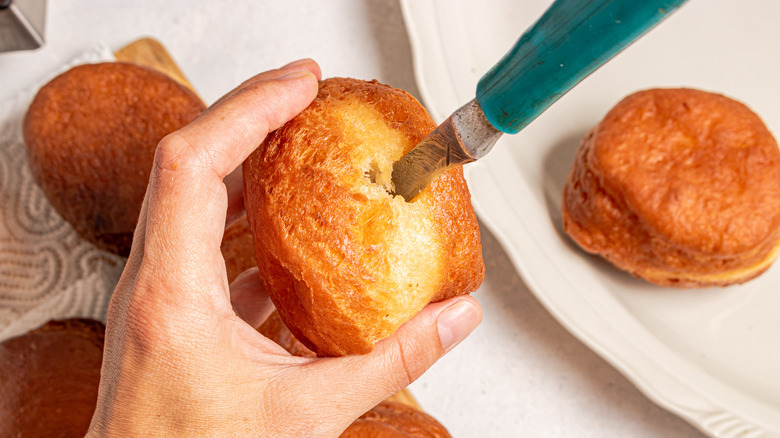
[[520, 373]]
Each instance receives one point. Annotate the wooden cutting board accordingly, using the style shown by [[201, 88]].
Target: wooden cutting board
[[150, 53]]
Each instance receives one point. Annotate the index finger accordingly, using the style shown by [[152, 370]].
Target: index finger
[[226, 133], [186, 198]]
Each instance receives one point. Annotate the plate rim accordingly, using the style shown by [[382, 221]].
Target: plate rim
[[709, 417]]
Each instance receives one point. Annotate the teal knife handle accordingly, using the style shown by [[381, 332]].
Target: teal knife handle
[[571, 40]]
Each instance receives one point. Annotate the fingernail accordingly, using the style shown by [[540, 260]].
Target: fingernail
[[456, 322], [297, 63], [294, 75]]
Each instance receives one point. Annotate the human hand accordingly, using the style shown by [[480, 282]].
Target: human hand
[[179, 360]]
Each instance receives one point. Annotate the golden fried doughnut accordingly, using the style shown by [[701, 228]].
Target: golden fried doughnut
[[49, 379], [395, 420], [274, 329], [345, 262], [238, 248], [91, 134], [680, 187]]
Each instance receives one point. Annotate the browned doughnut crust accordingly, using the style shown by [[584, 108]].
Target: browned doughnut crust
[[274, 329], [49, 379], [238, 248], [680, 187], [91, 134], [345, 262], [395, 420]]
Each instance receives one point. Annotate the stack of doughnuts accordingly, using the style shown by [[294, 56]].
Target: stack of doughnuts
[[344, 260], [680, 187]]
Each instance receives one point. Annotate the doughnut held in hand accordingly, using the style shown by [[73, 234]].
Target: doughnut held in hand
[[345, 262], [91, 134], [680, 187]]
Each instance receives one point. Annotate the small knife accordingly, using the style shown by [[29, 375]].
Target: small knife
[[572, 39]]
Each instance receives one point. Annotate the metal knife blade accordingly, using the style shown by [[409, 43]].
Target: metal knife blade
[[464, 137], [570, 40]]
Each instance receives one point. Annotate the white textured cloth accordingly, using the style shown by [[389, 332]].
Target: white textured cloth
[[46, 270]]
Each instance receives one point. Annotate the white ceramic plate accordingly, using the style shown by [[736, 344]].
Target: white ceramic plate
[[713, 355]]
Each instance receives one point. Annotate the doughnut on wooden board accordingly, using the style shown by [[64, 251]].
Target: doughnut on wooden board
[[151, 53]]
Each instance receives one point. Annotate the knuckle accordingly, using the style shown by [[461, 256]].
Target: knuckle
[[147, 320], [141, 332], [175, 154], [409, 363], [169, 152]]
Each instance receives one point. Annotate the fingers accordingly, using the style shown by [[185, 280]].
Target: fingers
[[400, 359], [187, 198], [395, 362], [223, 136], [250, 299], [301, 64], [234, 181]]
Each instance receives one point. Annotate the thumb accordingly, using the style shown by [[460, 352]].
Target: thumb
[[402, 358], [364, 381]]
